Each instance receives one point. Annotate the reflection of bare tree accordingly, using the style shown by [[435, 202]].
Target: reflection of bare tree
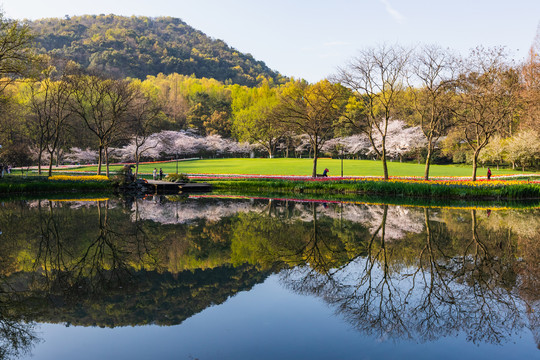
[[375, 296], [438, 295], [528, 270], [77, 266], [16, 336], [431, 277], [317, 256], [104, 263]]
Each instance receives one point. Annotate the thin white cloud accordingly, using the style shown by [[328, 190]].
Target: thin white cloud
[[335, 43], [329, 55], [393, 12]]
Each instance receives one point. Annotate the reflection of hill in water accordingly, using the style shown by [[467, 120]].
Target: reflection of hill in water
[[137, 298]]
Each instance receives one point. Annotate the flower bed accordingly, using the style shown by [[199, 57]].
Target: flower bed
[[434, 180], [78, 178]]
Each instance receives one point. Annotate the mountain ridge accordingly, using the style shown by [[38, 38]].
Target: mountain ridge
[[138, 46]]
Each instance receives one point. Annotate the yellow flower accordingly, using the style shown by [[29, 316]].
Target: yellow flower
[[79, 178]]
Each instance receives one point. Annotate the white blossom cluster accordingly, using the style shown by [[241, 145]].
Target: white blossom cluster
[[165, 145], [400, 139]]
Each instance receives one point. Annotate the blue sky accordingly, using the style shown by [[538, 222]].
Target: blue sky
[[311, 38]]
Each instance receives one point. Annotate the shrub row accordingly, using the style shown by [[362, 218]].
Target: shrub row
[[388, 188]]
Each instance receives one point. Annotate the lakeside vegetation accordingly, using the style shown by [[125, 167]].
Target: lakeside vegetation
[[364, 177], [496, 190], [11, 185]]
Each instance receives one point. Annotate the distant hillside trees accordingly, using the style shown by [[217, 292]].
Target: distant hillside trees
[[138, 46]]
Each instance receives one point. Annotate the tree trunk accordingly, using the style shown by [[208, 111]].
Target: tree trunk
[[100, 159], [107, 160], [315, 155], [50, 163], [40, 155], [475, 164], [383, 158], [428, 161]]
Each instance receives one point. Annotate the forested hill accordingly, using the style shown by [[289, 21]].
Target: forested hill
[[140, 46]]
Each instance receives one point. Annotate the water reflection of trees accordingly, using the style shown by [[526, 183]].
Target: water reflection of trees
[[436, 283], [390, 271], [17, 336], [100, 264]]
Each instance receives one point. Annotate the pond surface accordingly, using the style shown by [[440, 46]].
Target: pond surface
[[216, 277]]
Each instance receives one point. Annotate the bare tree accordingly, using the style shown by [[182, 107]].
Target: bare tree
[[103, 105], [143, 114], [313, 110], [377, 78], [433, 69], [488, 95], [49, 101]]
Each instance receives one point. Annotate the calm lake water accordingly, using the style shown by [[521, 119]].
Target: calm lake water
[[216, 277]]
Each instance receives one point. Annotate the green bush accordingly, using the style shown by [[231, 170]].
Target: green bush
[[178, 178]]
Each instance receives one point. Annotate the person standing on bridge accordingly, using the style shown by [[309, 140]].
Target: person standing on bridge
[[160, 174], [154, 174]]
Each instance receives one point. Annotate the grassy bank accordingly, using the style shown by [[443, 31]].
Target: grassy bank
[[432, 189], [304, 167], [41, 184]]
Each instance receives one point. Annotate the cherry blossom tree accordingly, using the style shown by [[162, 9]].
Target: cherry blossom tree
[[178, 144], [80, 156], [523, 148]]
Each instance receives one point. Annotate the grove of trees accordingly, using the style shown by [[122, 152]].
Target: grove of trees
[[424, 105]]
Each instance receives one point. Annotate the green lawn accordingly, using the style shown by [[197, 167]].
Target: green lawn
[[304, 166]]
